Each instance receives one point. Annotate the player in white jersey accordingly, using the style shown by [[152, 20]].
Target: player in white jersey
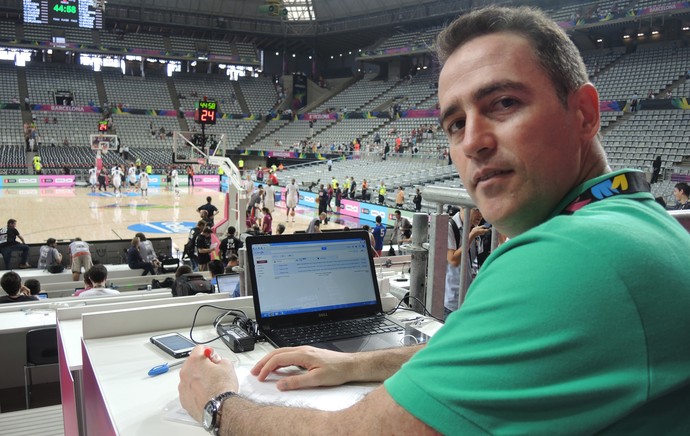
[[144, 183], [291, 199], [132, 176], [175, 182], [93, 178], [117, 180]]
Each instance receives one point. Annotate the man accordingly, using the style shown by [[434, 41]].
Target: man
[[98, 274], [379, 233], [681, 192], [400, 197], [270, 196], [211, 209], [569, 328], [453, 295], [204, 248], [81, 257], [175, 181], [402, 230], [9, 244], [49, 257], [11, 283], [229, 245], [190, 247], [382, 193], [291, 200]]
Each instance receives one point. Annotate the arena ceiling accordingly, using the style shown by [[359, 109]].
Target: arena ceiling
[[311, 26]]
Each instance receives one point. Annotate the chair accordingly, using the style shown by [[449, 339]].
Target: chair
[[41, 350]]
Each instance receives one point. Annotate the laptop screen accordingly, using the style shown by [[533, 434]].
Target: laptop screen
[[227, 283], [310, 273]]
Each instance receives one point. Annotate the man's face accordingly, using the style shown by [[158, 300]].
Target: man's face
[[12, 225], [677, 193], [514, 144]]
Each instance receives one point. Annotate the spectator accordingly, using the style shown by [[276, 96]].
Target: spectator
[[148, 253], [682, 194], [280, 229], [81, 257], [400, 198], [98, 275], [656, 169], [215, 267], [135, 259], [50, 258], [9, 244], [204, 248], [16, 293], [88, 284], [229, 245], [314, 226], [379, 233], [34, 287], [417, 200]]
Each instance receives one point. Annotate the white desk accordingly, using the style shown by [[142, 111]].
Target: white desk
[[70, 333], [119, 396]]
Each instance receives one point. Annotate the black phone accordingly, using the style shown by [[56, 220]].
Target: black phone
[[174, 344]]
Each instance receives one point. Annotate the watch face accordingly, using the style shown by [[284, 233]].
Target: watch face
[[209, 416]]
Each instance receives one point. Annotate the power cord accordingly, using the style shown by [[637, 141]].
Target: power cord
[[402, 301], [240, 319]]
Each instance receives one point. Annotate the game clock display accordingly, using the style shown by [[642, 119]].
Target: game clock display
[[70, 13], [206, 112]]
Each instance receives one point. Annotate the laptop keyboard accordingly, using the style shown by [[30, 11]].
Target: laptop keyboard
[[332, 331]]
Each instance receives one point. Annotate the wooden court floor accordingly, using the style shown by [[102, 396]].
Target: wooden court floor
[[67, 213]]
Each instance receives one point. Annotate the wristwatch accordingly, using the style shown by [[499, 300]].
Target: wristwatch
[[212, 412]]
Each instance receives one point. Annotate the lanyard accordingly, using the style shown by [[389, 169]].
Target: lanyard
[[630, 182]]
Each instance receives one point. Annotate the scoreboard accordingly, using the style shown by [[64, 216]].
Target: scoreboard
[[64, 13], [206, 112]]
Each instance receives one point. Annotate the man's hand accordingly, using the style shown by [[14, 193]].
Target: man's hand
[[325, 368], [202, 378]]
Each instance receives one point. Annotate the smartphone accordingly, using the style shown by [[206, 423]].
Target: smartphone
[[174, 344]]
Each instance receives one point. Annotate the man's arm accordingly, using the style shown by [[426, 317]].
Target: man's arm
[[202, 379]]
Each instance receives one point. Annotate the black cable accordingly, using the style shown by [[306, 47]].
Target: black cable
[[238, 315], [425, 311]]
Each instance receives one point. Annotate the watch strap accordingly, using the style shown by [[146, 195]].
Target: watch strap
[[219, 399]]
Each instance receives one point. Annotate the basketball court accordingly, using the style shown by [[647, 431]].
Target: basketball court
[[66, 213]]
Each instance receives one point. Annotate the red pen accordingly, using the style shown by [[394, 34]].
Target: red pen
[[211, 354]]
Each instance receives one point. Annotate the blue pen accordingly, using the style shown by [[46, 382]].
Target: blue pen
[[162, 369]]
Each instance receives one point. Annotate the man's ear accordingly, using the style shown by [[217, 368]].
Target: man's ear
[[586, 99]]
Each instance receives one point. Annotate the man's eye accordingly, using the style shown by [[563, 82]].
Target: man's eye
[[506, 102], [456, 125]]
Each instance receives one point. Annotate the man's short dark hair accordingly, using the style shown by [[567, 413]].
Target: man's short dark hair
[[553, 49], [684, 188], [183, 269], [397, 212], [51, 241], [231, 230], [34, 286], [98, 273], [378, 219], [11, 221], [233, 258], [215, 267], [11, 283], [208, 199]]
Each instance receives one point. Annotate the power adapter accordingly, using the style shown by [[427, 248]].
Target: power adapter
[[235, 338]]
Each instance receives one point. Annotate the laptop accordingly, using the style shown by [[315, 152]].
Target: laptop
[[319, 289], [227, 283]]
